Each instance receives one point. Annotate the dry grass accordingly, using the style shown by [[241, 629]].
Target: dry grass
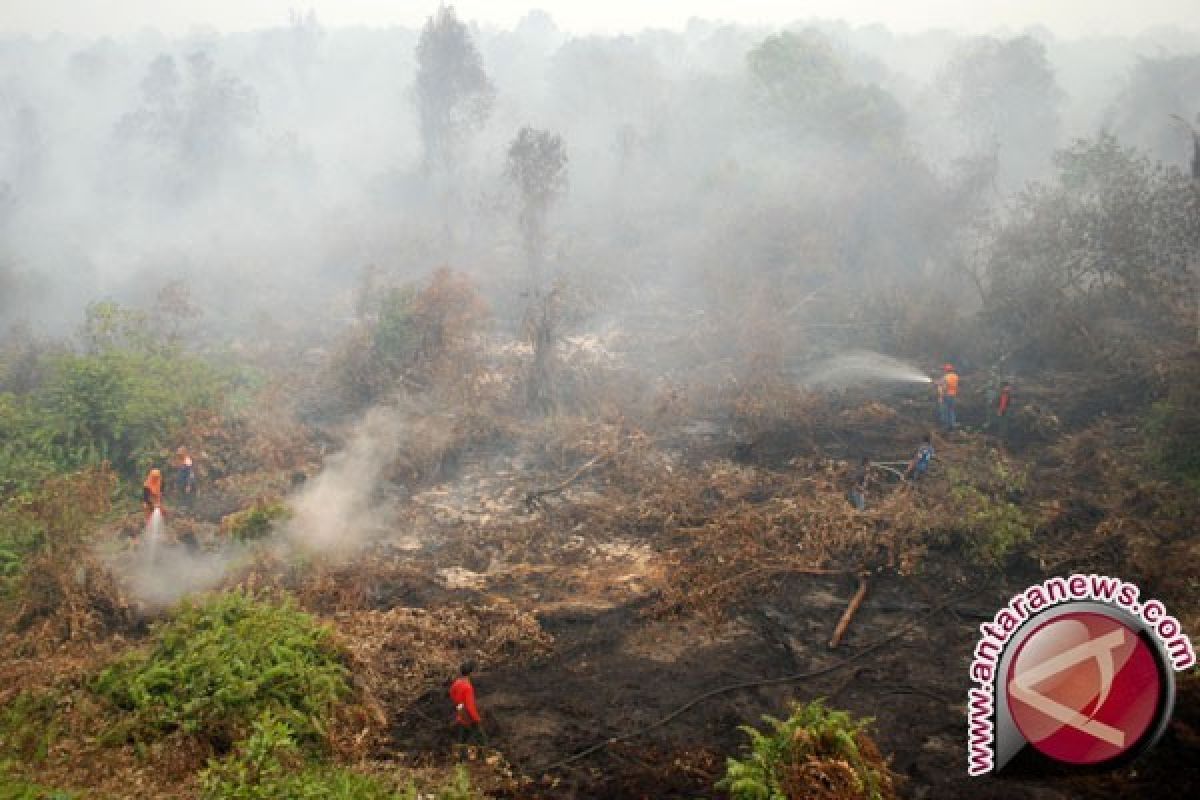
[[400, 654]]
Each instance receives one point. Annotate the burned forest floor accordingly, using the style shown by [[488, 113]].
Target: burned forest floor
[[632, 589]]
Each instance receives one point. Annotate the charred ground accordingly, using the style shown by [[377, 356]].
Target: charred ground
[[636, 585]]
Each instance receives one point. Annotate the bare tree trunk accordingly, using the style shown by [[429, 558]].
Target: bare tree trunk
[[535, 246], [542, 329]]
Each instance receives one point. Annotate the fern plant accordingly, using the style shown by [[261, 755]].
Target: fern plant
[[813, 743], [257, 521], [217, 666], [270, 765]]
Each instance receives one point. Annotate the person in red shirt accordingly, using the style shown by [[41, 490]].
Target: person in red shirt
[[1002, 408], [466, 715]]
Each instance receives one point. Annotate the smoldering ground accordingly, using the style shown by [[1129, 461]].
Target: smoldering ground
[[661, 233], [333, 515], [340, 509]]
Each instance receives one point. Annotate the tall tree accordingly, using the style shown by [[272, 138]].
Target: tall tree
[[793, 70], [1159, 94], [1101, 261], [194, 122], [803, 85], [454, 96], [537, 166], [1004, 96]]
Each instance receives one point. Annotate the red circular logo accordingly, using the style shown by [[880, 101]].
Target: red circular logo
[[1083, 688]]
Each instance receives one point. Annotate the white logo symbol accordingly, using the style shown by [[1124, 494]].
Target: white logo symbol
[[1101, 650]]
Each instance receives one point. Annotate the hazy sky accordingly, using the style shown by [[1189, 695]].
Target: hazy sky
[[1066, 17]]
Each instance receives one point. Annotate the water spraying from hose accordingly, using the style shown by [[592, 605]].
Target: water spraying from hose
[[861, 367], [154, 532]]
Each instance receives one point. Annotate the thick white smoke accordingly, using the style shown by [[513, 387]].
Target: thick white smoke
[[335, 511]]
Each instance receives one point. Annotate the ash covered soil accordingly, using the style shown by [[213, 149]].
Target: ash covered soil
[[633, 594], [670, 615]]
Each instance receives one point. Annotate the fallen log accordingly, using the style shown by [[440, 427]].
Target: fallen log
[[848, 614]]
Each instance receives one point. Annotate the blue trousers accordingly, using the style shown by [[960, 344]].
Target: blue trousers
[[948, 418]]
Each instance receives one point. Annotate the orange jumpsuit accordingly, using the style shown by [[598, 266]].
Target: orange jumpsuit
[[152, 493]]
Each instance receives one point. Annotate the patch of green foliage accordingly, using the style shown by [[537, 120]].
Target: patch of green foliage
[[414, 334], [121, 405], [257, 521], [992, 528], [990, 523], [26, 445], [458, 788], [13, 787], [29, 726], [118, 398], [55, 514], [381, 348], [805, 86], [812, 733], [397, 335], [218, 666], [20, 535], [1173, 428], [1110, 238], [270, 765]]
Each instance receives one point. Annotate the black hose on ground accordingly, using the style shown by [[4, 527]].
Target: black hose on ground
[[733, 687]]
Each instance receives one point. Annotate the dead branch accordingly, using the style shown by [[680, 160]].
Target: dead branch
[[534, 496], [848, 615], [892, 470]]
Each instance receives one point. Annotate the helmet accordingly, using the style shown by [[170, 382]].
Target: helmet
[[155, 473], [947, 368]]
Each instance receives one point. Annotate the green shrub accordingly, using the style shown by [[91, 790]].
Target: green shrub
[[257, 521], [29, 726], [373, 354], [20, 790], [397, 335], [120, 398], [815, 746], [988, 523], [123, 405], [15, 788], [419, 334], [1173, 437], [218, 666], [458, 788], [991, 528], [20, 535], [55, 515], [26, 444], [269, 765]]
